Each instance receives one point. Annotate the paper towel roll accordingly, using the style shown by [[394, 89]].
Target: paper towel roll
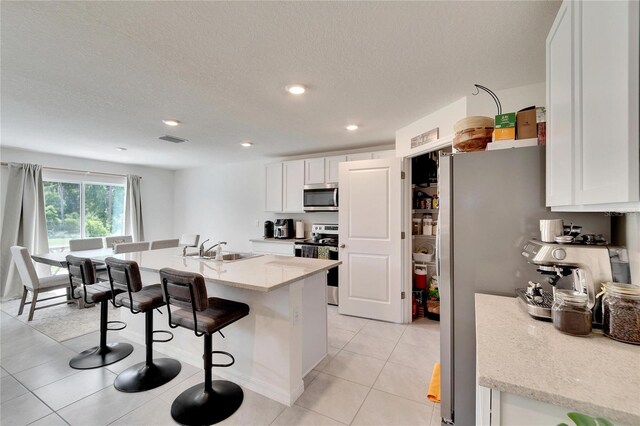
[[299, 229]]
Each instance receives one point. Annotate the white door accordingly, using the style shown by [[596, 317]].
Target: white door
[[293, 178], [370, 242]]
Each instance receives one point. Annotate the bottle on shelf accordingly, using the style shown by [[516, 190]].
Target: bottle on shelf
[[417, 226], [427, 225], [436, 201]]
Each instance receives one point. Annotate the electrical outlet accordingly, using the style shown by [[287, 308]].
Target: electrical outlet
[[257, 224]]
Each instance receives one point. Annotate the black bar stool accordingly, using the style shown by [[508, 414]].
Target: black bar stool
[[124, 275], [82, 279], [212, 401]]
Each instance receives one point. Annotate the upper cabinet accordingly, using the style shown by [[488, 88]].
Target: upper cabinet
[[283, 187], [593, 155], [314, 171], [293, 178], [284, 182], [331, 168]]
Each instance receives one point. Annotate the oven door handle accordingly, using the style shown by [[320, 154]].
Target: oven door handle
[[335, 197]]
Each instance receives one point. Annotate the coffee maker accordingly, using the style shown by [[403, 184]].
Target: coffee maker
[[268, 229], [283, 228], [588, 265]]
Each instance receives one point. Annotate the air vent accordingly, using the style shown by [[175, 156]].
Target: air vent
[[172, 139]]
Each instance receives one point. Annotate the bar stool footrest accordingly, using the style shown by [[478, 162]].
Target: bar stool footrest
[[170, 338], [122, 325], [233, 360]]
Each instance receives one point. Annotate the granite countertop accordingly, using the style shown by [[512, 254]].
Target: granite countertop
[[277, 240], [261, 273], [519, 355]]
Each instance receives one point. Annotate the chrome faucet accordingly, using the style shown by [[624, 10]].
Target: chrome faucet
[[202, 251], [218, 244]]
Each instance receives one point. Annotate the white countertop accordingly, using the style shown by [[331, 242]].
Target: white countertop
[[523, 356], [261, 273]]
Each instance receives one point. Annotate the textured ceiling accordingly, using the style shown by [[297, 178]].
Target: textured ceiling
[[81, 78]]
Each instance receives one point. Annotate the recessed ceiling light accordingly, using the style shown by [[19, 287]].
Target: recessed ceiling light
[[296, 89], [246, 144], [171, 122], [121, 149], [352, 127]]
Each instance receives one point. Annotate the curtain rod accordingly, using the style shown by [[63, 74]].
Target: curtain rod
[[86, 172]]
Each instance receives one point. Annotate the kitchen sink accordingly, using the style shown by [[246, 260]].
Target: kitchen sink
[[226, 257]]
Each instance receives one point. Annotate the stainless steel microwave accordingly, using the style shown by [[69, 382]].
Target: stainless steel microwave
[[321, 197]]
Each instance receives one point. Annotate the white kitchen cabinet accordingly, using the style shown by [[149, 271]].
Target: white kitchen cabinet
[[593, 154], [314, 171], [331, 168], [293, 178], [495, 408], [273, 187], [322, 170], [560, 101]]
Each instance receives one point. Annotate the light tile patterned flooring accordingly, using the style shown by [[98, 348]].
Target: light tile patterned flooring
[[376, 374]]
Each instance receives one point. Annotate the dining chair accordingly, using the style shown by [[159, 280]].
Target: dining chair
[[85, 244], [161, 244], [188, 240], [117, 239], [130, 247], [34, 284]]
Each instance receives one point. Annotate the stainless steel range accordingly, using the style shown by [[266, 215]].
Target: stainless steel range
[[323, 245]]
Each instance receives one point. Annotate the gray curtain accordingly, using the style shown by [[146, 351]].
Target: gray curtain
[[133, 209], [24, 223]]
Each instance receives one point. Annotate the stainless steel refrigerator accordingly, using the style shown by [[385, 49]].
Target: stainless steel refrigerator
[[490, 204]]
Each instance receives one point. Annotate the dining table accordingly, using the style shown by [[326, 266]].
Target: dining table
[[59, 259]]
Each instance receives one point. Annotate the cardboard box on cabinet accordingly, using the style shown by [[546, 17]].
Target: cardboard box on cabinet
[[526, 124]]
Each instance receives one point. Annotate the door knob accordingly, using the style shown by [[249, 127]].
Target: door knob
[[342, 246]]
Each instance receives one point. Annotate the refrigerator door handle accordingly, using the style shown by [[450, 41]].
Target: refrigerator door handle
[[445, 283]]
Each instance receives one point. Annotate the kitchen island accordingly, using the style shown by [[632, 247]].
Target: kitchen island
[[529, 373], [277, 344]]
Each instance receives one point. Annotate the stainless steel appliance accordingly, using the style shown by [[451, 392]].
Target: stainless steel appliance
[[283, 228], [491, 203], [323, 244], [589, 265], [320, 197]]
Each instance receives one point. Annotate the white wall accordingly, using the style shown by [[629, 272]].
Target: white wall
[[157, 185], [512, 100]]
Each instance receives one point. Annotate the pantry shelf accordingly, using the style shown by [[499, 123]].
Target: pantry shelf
[[424, 211], [427, 237]]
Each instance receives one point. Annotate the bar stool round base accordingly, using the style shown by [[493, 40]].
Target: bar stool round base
[[142, 377], [94, 357], [196, 406]]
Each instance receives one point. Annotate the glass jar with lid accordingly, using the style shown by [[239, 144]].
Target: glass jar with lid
[[570, 313], [621, 312]]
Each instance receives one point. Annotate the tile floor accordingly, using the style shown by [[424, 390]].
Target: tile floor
[[375, 374]]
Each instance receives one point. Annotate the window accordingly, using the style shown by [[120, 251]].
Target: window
[[82, 209]]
